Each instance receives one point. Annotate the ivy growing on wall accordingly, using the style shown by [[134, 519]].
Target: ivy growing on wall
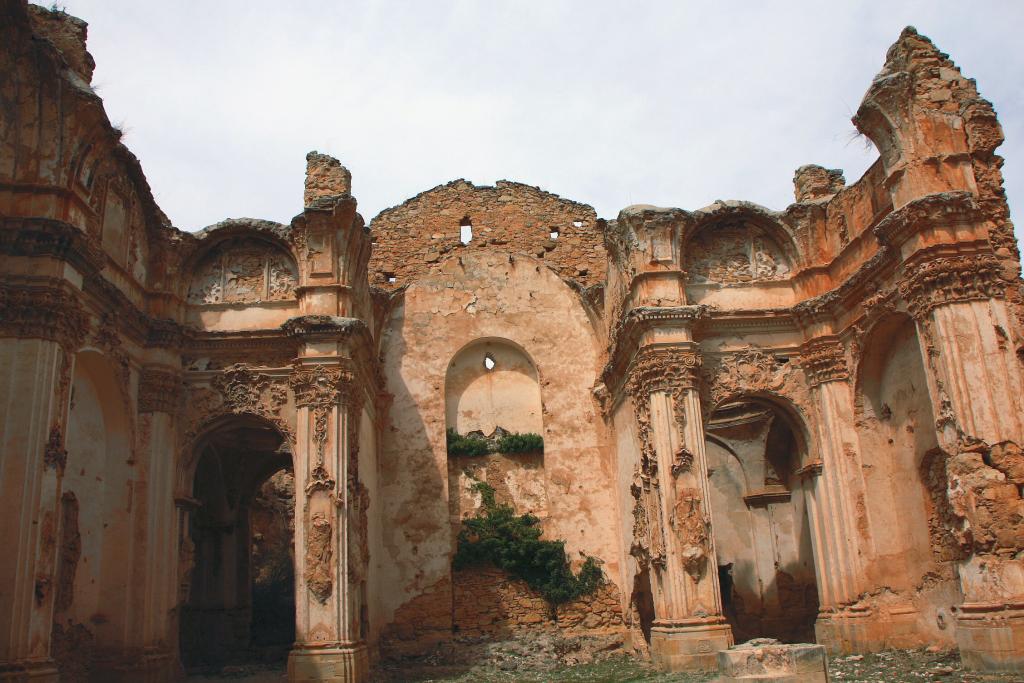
[[475, 443], [497, 535]]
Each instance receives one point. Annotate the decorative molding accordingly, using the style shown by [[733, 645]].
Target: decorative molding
[[743, 372], [951, 279], [824, 360], [321, 388], [51, 311], [46, 237], [939, 209]]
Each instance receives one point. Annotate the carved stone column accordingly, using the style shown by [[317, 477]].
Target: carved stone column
[[328, 646], [41, 327], [977, 389], [672, 513], [833, 485]]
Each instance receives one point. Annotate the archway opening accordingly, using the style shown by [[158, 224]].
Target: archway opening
[[241, 599], [761, 528]]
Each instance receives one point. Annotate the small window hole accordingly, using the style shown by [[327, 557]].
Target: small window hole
[[577, 224], [466, 231], [488, 362], [554, 233], [390, 277]]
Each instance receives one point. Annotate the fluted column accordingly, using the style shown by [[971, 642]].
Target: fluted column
[[976, 385], [160, 392], [672, 514], [41, 326], [833, 484], [328, 645]]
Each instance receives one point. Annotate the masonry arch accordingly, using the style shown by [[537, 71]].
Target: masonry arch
[[239, 602], [96, 551], [755, 449], [898, 442]]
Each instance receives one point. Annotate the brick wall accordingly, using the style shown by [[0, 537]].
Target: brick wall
[[411, 238]]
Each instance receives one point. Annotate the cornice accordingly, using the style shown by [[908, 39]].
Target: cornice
[[47, 237], [935, 209]]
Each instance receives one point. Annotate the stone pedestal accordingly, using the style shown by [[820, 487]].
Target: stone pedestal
[[343, 664], [690, 645], [765, 659], [991, 637]]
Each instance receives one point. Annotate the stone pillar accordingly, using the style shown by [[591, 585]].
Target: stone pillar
[[160, 391], [41, 326], [328, 643], [977, 389], [834, 484], [672, 513]]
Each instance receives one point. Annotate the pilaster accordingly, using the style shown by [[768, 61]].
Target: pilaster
[[328, 398], [977, 390], [672, 512], [42, 324]]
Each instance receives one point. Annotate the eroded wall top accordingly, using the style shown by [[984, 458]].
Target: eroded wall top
[[411, 238]]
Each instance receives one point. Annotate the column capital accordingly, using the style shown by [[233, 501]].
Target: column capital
[[160, 389], [823, 359], [663, 368], [321, 384], [937, 280]]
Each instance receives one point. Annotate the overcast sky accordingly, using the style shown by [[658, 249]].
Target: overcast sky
[[608, 103]]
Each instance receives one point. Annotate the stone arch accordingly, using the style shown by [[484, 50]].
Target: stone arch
[[243, 269], [737, 243], [94, 579], [233, 459], [513, 374], [895, 423], [755, 450]]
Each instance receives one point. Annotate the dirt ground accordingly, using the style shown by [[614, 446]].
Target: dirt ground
[[557, 659]]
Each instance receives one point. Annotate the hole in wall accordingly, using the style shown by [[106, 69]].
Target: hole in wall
[[488, 362], [577, 224], [390, 277], [554, 233], [466, 231]]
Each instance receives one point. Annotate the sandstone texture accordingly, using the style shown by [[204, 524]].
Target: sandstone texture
[[225, 449]]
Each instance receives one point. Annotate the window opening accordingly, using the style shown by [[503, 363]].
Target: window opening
[[488, 362], [466, 231], [554, 233], [577, 224]]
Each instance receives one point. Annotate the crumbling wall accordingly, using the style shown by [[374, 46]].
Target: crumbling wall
[[519, 301], [413, 237]]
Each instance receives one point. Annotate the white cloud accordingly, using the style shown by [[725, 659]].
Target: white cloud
[[603, 102]]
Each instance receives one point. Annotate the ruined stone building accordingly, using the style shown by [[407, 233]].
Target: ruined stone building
[[804, 424]]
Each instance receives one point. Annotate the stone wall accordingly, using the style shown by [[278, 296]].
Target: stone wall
[[411, 238]]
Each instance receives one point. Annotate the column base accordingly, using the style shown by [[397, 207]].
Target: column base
[[23, 671], [349, 663], [991, 637], [690, 645], [849, 632]]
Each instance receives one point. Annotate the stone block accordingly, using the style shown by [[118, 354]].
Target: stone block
[[766, 659]]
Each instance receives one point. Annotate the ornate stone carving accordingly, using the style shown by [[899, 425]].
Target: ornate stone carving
[[733, 254], [747, 371], [245, 271], [159, 390], [824, 360], [692, 529], [318, 557], [951, 279], [47, 311], [240, 389], [55, 455], [673, 370], [320, 388]]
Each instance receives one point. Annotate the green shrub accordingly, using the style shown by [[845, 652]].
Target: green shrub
[[497, 535], [465, 445], [521, 443]]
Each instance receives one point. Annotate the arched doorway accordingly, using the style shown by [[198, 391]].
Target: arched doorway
[[241, 598], [761, 529]]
